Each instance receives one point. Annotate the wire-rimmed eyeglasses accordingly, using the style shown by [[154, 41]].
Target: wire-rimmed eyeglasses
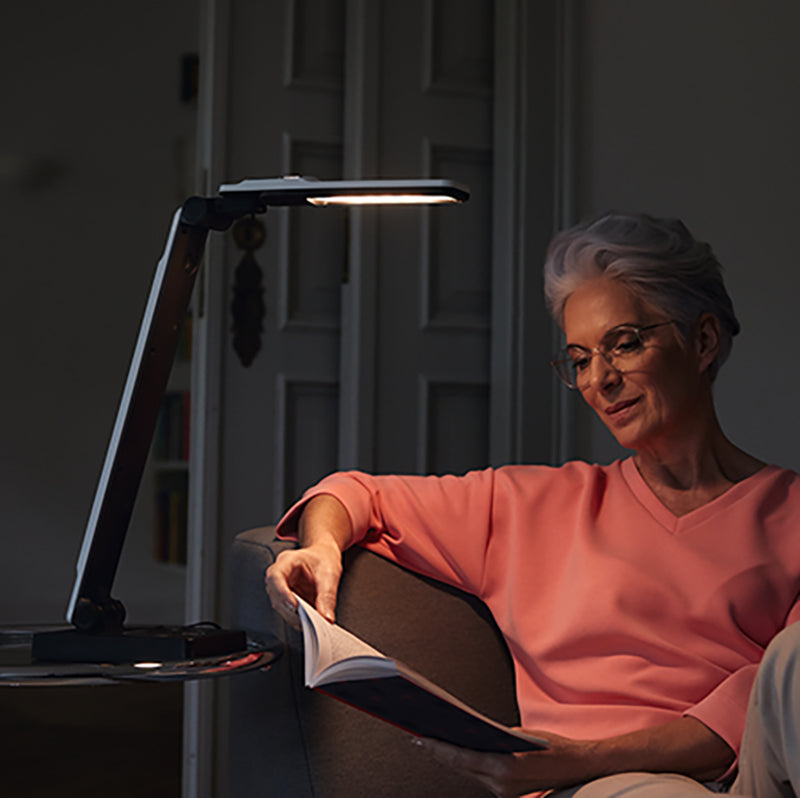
[[619, 348]]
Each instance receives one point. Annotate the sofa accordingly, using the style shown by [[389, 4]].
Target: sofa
[[291, 742]]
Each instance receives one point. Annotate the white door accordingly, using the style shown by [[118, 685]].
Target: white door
[[419, 78], [393, 339]]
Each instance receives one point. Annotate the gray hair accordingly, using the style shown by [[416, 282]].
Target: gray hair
[[657, 259]]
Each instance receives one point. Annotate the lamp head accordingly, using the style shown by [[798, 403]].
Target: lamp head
[[296, 190]]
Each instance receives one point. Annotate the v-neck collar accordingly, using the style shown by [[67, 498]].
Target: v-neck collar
[[678, 524]]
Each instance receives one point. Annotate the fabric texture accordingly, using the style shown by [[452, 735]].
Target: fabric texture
[[638, 785], [618, 614], [770, 761]]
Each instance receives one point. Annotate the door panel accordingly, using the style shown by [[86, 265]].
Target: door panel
[[434, 264]]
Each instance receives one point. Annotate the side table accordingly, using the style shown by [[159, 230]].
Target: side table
[[18, 669]]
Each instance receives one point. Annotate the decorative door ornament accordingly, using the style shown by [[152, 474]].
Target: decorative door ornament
[[248, 308]]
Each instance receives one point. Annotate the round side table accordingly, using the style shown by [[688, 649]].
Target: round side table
[[17, 669]]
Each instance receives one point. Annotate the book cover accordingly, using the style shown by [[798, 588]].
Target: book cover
[[343, 666]]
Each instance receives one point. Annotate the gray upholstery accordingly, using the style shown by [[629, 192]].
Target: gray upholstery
[[291, 742]]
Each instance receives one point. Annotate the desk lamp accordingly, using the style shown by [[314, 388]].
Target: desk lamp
[[98, 632]]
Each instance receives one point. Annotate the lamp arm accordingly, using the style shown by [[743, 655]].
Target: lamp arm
[[219, 213]]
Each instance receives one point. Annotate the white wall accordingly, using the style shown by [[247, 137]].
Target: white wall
[[690, 108], [88, 182]]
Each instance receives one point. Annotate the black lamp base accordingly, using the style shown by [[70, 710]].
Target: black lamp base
[[138, 644]]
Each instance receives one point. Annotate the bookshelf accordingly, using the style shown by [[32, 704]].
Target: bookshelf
[[170, 459]]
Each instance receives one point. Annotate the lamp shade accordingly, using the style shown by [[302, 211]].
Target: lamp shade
[[296, 190]]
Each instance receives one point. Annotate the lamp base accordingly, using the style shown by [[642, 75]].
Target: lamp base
[[138, 644]]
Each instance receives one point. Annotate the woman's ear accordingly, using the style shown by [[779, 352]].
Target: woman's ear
[[707, 338]]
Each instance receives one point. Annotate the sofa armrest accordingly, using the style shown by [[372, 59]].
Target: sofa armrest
[[287, 740], [253, 552]]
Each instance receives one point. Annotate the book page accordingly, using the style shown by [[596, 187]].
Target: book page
[[327, 644]]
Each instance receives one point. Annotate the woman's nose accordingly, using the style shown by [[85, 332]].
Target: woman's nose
[[604, 373]]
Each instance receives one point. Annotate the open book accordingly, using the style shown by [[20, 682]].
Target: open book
[[341, 665]]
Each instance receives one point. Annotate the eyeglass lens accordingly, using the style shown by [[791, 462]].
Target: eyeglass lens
[[617, 347]]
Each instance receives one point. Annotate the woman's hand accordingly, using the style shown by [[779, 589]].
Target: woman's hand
[[564, 763], [684, 745], [312, 571]]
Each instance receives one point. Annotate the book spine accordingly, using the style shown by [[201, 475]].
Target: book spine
[[173, 433]]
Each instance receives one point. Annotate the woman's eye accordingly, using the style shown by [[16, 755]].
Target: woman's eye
[[580, 363], [626, 345]]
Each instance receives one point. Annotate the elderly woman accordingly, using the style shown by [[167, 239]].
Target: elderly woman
[[637, 598]]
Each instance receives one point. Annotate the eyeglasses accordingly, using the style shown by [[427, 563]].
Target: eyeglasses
[[620, 348]]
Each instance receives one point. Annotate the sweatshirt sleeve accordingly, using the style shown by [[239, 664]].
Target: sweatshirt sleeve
[[724, 709], [437, 526]]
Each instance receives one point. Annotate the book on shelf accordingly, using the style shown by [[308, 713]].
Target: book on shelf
[[171, 441], [343, 666], [171, 509]]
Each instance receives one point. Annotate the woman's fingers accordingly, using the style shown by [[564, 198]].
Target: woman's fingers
[[311, 572]]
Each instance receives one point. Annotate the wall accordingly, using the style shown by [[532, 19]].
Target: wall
[[689, 108], [88, 182]]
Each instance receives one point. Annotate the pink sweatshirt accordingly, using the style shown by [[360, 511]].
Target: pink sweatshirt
[[618, 614]]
